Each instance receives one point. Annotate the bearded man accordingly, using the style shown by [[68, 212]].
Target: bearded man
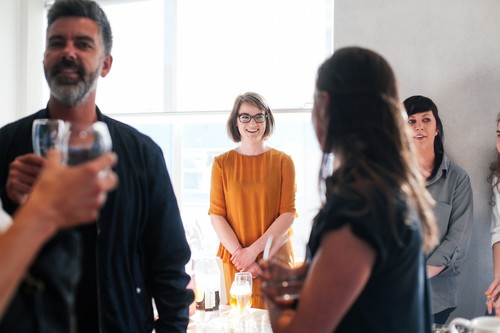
[[98, 277]]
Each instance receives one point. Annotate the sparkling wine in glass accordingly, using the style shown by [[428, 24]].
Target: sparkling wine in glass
[[47, 134], [244, 277], [85, 142], [241, 290]]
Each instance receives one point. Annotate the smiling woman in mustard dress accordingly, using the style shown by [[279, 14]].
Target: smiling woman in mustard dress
[[252, 193]]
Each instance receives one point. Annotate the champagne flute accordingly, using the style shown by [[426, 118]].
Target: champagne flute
[[241, 290], [47, 134], [245, 277], [85, 142]]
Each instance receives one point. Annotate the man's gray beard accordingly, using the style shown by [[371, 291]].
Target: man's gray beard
[[72, 93], [68, 94]]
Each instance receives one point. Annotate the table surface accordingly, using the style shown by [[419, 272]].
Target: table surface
[[230, 321]]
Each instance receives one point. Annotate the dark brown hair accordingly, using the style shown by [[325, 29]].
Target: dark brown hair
[[366, 130], [83, 8], [258, 101]]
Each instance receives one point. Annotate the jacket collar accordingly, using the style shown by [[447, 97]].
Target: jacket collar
[[45, 113]]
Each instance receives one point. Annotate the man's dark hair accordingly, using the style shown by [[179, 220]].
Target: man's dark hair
[[83, 8]]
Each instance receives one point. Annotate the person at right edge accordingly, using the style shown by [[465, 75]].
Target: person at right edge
[[450, 187], [493, 291]]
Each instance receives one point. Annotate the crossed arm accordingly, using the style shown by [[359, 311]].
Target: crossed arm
[[244, 258]]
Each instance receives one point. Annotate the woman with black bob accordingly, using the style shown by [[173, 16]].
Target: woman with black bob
[[366, 252], [450, 187]]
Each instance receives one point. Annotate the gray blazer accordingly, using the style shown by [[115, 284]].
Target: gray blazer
[[451, 189]]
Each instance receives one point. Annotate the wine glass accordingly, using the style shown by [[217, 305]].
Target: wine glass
[[47, 134], [287, 275], [85, 142], [241, 277], [241, 291]]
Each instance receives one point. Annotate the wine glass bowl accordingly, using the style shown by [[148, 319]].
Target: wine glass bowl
[[239, 279], [47, 134], [85, 142], [241, 291], [244, 276]]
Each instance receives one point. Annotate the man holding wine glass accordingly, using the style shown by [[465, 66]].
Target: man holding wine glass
[[62, 198], [137, 250]]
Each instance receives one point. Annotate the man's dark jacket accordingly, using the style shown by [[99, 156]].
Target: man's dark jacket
[[141, 246]]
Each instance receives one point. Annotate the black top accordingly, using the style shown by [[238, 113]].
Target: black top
[[396, 296]]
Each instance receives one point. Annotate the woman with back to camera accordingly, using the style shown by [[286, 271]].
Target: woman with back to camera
[[252, 193], [450, 187], [366, 258], [493, 291]]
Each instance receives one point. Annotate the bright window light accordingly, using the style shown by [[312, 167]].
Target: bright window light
[[197, 55], [179, 65]]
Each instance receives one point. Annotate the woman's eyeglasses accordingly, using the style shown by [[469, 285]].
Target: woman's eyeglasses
[[246, 118]]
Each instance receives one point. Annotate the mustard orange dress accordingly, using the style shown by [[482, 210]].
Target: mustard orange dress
[[250, 192]]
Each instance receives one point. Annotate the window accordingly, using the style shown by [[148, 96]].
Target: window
[[197, 55], [177, 68]]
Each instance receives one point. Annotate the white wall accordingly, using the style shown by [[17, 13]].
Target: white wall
[[22, 40], [448, 50], [8, 59]]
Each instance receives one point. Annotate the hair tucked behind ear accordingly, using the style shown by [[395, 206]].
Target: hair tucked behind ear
[[418, 104]]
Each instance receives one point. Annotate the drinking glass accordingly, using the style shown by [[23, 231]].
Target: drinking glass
[[286, 276], [47, 134], [85, 142], [241, 291], [241, 277]]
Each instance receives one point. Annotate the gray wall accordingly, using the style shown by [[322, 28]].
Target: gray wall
[[448, 50]]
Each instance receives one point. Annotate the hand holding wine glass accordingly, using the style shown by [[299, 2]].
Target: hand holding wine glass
[[282, 280], [24, 170]]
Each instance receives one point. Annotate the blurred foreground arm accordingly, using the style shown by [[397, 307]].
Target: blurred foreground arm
[[62, 197], [332, 285]]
